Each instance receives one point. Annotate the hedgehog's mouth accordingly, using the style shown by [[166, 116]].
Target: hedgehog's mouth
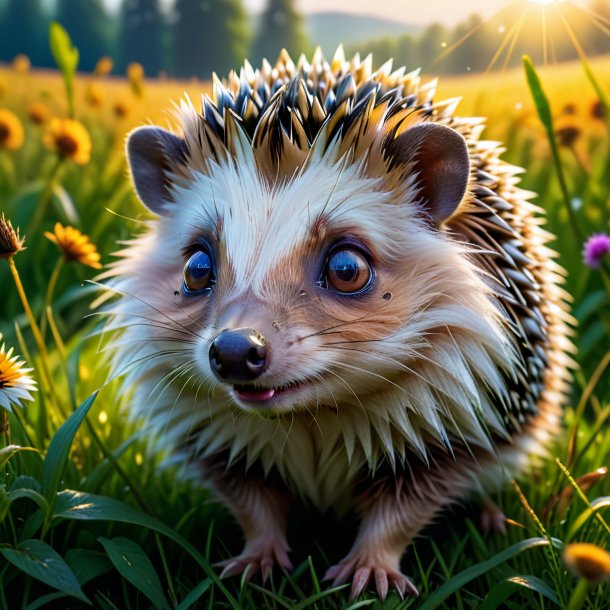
[[257, 394]]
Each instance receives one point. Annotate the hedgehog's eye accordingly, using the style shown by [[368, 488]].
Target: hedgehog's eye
[[198, 273], [348, 271]]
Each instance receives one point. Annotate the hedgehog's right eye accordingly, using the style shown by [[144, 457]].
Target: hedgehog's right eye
[[198, 273]]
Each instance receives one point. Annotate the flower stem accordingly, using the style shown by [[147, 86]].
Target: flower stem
[[42, 350], [49, 295], [579, 595]]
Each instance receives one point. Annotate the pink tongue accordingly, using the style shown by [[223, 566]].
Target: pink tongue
[[255, 396]]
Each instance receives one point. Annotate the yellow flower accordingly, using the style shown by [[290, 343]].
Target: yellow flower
[[11, 130], [103, 66], [38, 113], [135, 72], [15, 382], [598, 111], [568, 130], [69, 139], [120, 108], [75, 245], [21, 64], [94, 95], [587, 561], [10, 240]]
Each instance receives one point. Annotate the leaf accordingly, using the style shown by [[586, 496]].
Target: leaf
[[540, 99], [59, 449], [463, 578], [194, 595], [30, 494], [87, 565], [133, 564], [504, 589], [40, 561], [66, 57], [6, 453], [90, 507], [64, 205]]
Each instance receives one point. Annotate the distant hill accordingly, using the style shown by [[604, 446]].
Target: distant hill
[[329, 29]]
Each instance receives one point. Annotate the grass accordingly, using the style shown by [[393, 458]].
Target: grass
[[90, 515]]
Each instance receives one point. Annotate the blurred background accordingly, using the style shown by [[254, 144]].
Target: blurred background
[[192, 38]]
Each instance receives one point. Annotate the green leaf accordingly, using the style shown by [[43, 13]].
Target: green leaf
[[66, 57], [540, 99], [90, 507], [64, 206], [504, 589], [30, 494], [194, 595], [463, 578], [87, 565], [40, 561], [6, 453], [133, 564], [59, 449]]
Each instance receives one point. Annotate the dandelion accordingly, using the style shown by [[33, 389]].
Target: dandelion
[[10, 241], [94, 95], [120, 109], [591, 564], [38, 113], [69, 139], [15, 380], [596, 247], [11, 130], [75, 246], [21, 64], [104, 66]]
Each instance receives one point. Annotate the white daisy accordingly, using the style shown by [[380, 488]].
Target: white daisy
[[15, 381]]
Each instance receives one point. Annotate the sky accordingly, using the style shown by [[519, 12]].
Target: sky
[[419, 12]]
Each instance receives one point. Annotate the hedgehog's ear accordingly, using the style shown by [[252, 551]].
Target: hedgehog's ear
[[438, 155], [153, 154]]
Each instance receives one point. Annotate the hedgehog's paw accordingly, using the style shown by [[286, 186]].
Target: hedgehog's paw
[[384, 571], [257, 556]]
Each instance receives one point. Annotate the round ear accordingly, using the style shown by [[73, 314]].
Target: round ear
[[153, 154], [438, 156]]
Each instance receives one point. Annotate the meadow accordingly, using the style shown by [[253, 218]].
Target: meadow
[[90, 515]]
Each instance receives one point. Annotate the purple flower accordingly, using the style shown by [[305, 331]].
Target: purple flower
[[596, 247]]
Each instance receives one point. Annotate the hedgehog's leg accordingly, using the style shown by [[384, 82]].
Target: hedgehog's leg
[[394, 507], [260, 506]]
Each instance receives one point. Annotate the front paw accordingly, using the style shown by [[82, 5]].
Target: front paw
[[256, 557], [362, 570]]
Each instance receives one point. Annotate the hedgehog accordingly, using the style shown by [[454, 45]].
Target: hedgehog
[[343, 298]]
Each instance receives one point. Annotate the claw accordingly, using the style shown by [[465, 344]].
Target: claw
[[362, 576], [381, 583]]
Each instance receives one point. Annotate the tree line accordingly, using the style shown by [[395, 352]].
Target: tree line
[[196, 37]]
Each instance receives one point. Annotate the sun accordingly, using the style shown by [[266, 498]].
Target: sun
[[545, 1]]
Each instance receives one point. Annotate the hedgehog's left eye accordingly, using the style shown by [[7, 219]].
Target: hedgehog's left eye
[[198, 273], [348, 272]]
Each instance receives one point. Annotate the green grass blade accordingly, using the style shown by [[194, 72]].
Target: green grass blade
[[59, 450], [194, 595], [135, 566], [459, 580], [40, 561], [503, 590], [66, 57], [595, 506], [89, 507]]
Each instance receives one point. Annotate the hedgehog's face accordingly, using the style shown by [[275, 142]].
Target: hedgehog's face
[[306, 293]]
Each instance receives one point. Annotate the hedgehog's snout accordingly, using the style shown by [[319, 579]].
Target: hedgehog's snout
[[239, 354]]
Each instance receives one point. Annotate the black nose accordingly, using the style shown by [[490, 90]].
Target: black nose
[[238, 355]]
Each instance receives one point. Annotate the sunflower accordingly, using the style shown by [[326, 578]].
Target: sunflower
[[11, 130], [15, 381], [21, 64], [38, 113], [103, 66], [69, 139], [94, 95], [75, 245]]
